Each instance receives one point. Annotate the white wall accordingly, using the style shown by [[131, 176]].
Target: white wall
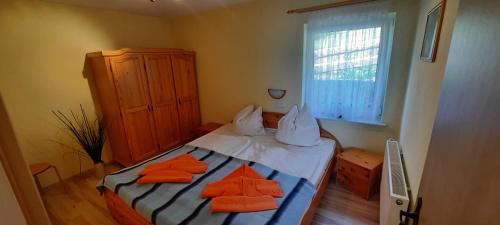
[[422, 95], [243, 50], [43, 53]]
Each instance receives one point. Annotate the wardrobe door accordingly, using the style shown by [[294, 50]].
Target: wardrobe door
[[132, 90], [163, 99], [187, 94]]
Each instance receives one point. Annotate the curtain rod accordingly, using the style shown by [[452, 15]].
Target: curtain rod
[[327, 6]]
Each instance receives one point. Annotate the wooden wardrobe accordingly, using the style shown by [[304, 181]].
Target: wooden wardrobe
[[148, 98]]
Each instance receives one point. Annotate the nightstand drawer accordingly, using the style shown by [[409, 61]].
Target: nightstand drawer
[[353, 170], [355, 184]]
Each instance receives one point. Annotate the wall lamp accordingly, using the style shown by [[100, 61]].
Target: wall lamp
[[276, 93]]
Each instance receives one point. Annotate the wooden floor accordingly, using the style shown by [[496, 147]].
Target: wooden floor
[[81, 204], [341, 207]]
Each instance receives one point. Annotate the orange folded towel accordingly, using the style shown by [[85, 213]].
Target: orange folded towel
[[163, 176], [243, 186], [244, 171], [182, 165], [177, 170], [185, 162], [243, 203], [243, 190]]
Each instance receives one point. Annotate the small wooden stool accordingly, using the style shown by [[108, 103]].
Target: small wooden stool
[[39, 168]]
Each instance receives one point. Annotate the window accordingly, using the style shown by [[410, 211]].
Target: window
[[346, 65]]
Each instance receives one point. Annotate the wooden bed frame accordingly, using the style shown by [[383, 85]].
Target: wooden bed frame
[[125, 215]]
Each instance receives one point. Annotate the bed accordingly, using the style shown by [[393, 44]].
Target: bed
[[295, 165]]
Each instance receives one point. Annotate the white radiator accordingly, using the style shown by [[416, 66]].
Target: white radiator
[[393, 191]]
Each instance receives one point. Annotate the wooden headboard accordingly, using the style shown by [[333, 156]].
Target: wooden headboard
[[271, 120]]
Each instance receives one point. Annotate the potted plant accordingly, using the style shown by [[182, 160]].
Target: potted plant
[[90, 135]]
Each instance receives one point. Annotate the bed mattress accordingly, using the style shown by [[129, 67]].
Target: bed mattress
[[305, 162]]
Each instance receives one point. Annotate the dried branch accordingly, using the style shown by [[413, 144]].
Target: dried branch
[[89, 135]]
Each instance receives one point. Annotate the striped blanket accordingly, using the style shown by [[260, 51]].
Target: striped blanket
[[170, 203]]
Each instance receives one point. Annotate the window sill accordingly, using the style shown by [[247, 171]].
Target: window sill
[[379, 124]]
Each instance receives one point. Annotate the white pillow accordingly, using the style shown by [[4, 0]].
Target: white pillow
[[249, 122], [298, 128]]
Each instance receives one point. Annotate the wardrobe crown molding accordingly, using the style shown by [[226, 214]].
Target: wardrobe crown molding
[[118, 52]]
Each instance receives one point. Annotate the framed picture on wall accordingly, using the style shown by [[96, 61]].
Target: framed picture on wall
[[432, 32]]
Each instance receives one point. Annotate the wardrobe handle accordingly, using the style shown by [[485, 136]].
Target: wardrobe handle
[[179, 101]]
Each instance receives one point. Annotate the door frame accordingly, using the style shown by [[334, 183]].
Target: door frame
[[19, 174]]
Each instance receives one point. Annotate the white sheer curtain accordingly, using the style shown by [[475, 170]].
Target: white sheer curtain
[[347, 56]]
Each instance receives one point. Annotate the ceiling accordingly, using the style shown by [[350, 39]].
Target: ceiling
[[166, 8]]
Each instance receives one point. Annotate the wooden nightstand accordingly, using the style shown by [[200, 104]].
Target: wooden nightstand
[[206, 128], [360, 171]]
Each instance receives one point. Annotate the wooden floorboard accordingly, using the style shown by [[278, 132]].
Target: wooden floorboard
[[81, 204], [341, 207]]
